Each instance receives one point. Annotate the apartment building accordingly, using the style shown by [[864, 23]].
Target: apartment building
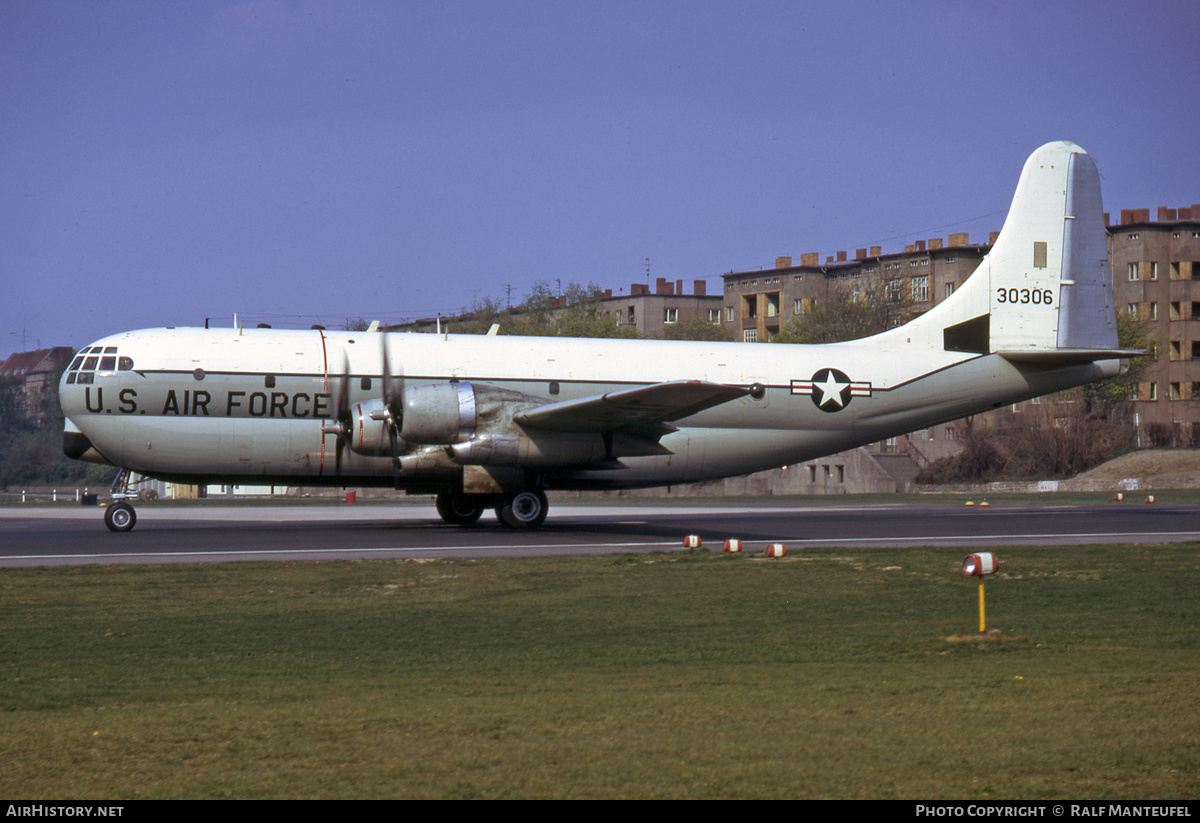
[[759, 304], [1156, 280]]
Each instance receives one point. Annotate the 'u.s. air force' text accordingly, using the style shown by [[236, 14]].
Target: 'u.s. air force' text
[[200, 403]]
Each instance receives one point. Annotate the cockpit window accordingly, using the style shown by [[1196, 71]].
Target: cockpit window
[[89, 360]]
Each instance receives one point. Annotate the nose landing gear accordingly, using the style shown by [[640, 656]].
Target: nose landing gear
[[120, 517]]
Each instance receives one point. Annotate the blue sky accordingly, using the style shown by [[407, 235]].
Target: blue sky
[[300, 161]]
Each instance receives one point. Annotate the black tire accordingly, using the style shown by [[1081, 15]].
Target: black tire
[[120, 517], [523, 510], [457, 510]]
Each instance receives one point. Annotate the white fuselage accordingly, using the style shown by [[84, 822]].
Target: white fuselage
[[239, 405]]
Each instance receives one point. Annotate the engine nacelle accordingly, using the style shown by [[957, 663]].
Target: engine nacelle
[[543, 451], [475, 425], [437, 413], [487, 450]]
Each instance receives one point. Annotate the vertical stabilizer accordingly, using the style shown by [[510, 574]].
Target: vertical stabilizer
[[1045, 286]]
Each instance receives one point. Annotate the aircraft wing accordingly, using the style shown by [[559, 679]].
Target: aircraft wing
[[645, 410]]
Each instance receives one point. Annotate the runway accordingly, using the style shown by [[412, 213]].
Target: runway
[[43, 536]]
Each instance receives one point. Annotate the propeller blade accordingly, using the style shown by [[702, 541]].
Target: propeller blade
[[339, 421]]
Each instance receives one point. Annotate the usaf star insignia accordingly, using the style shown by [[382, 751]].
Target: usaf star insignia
[[831, 389]]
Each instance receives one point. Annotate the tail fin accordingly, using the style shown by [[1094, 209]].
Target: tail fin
[[1044, 291]]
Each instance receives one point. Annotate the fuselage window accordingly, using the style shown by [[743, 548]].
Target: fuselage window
[[366, 384], [108, 363], [269, 381], [125, 364], [90, 363], [110, 350], [76, 363]]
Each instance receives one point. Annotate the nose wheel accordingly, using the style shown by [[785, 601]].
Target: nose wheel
[[120, 517]]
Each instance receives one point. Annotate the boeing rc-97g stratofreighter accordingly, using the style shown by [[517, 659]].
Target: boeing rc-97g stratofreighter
[[494, 421]]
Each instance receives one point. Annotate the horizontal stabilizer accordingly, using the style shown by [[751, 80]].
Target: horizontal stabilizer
[[647, 405], [1068, 357]]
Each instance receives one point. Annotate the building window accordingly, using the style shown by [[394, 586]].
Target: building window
[[949, 289], [1153, 270], [1132, 310], [892, 291], [714, 315], [920, 288], [670, 315], [1153, 311], [729, 314], [1133, 236], [1175, 392], [1133, 271]]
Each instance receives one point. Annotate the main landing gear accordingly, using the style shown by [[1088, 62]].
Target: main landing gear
[[525, 509]]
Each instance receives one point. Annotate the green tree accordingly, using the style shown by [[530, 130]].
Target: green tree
[[577, 312], [1111, 398], [697, 328], [849, 310]]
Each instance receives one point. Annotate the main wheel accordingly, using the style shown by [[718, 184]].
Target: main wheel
[[120, 517], [457, 510], [523, 510]]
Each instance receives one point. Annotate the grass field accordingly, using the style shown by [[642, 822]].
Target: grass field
[[835, 673]]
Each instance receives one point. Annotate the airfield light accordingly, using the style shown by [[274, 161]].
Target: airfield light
[[980, 565], [977, 565]]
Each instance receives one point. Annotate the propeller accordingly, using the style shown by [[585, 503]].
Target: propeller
[[392, 413], [339, 424]]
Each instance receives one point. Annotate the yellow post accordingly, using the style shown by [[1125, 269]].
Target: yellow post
[[982, 630]]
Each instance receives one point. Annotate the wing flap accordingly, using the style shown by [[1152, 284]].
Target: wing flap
[[645, 410]]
